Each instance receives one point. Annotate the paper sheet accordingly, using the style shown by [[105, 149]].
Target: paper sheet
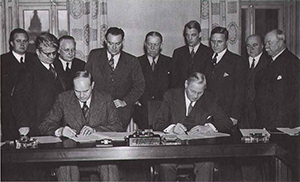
[[247, 132], [203, 136], [115, 136], [47, 139], [290, 131]]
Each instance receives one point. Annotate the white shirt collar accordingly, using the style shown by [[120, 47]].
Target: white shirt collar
[[256, 59], [88, 102], [18, 56], [47, 66], [64, 63], [278, 54], [116, 58], [220, 55], [151, 59], [195, 48], [187, 103]]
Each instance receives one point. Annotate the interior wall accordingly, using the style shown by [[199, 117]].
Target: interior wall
[[138, 17]]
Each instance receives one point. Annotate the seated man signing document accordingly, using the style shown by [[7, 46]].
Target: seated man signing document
[[82, 111], [191, 110]]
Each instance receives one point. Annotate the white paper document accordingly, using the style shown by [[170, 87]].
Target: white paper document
[[290, 131], [115, 136], [47, 139], [248, 132], [203, 136]]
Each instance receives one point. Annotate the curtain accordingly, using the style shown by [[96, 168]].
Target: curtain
[[88, 24], [224, 13]]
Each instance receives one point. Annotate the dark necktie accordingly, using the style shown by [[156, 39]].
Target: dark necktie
[[111, 62], [190, 108], [252, 64], [68, 68], [214, 60], [52, 70], [22, 60], [153, 64], [192, 53], [85, 110]]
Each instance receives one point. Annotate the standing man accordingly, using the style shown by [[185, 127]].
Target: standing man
[[257, 60], [117, 73], [225, 74], [14, 65], [157, 73], [278, 90], [191, 57], [40, 88], [191, 110], [66, 63], [82, 111]]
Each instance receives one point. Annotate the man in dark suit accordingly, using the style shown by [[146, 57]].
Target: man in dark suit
[[66, 63], [156, 69], [278, 90], [191, 57], [117, 73], [191, 110], [40, 87], [81, 111], [14, 65], [225, 73], [256, 60]]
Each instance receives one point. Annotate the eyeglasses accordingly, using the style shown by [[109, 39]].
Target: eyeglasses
[[49, 53]]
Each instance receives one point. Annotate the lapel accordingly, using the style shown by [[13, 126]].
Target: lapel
[[121, 67], [181, 106], [95, 107], [75, 110]]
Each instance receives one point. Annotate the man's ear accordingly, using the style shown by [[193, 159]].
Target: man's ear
[[37, 52], [93, 84], [186, 84], [200, 35]]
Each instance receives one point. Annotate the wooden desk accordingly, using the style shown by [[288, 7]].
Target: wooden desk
[[208, 149]]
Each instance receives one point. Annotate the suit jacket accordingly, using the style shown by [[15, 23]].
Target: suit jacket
[[11, 73], [35, 97], [67, 112], [249, 119], [173, 110], [157, 83], [277, 92], [77, 65], [126, 82], [227, 80], [184, 65]]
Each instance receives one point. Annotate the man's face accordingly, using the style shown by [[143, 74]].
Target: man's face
[[194, 90], [192, 36], [218, 42], [114, 43], [67, 50], [46, 54], [83, 89], [272, 44], [20, 43], [254, 46], [153, 45]]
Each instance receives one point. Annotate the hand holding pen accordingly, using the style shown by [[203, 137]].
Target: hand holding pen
[[180, 129], [68, 132]]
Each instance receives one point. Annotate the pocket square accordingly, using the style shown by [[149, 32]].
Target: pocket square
[[225, 74], [279, 77]]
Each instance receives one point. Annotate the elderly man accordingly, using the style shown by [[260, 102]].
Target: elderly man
[[278, 90], [66, 63], [82, 111], [156, 68], [191, 110], [256, 60], [191, 57], [40, 87], [117, 73], [14, 65]]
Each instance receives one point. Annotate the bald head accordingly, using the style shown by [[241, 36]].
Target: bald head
[[274, 42]]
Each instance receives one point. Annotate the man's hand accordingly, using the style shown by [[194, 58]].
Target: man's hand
[[201, 129], [119, 103], [68, 132], [179, 129], [87, 130]]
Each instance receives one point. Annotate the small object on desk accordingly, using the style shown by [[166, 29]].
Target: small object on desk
[[143, 138], [104, 143], [255, 135]]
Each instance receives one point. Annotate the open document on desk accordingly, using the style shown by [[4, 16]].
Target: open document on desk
[[115, 136], [202, 136], [290, 131]]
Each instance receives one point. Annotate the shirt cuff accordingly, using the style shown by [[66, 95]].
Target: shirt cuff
[[211, 126], [58, 132], [169, 129]]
